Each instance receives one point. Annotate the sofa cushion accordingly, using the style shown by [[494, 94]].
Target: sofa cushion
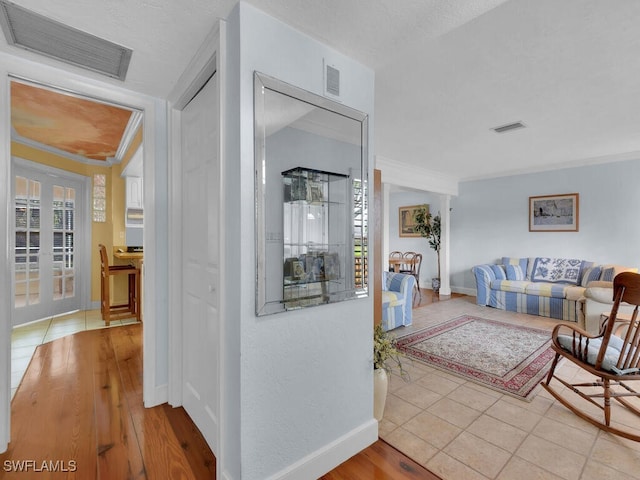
[[574, 293], [556, 270], [499, 272], [591, 274], [546, 290], [514, 272], [510, 285], [523, 262]]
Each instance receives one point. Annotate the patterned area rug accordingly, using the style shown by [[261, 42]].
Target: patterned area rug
[[508, 358]]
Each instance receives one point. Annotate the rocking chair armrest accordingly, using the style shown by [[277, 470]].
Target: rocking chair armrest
[[576, 341], [580, 331]]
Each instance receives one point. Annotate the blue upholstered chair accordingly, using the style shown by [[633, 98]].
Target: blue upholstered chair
[[397, 299]]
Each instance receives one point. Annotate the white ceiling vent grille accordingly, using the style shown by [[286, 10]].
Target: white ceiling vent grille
[[37, 33], [509, 127]]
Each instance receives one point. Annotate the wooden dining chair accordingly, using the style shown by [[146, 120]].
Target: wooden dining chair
[[613, 360], [409, 262], [395, 255], [124, 310]]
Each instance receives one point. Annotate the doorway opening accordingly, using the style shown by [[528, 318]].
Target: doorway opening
[[60, 143]]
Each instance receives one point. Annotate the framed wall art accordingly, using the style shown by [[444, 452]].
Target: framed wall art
[[407, 221], [554, 213]]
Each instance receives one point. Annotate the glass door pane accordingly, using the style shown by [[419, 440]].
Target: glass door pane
[[48, 226], [64, 206], [27, 241]]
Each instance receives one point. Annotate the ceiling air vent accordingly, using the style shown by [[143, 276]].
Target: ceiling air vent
[[37, 33], [509, 127]]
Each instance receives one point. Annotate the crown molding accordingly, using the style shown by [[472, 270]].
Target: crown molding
[[61, 153], [414, 177]]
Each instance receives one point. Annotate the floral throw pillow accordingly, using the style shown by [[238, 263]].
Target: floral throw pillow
[[557, 270]]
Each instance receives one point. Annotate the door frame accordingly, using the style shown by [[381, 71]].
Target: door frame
[[83, 248], [155, 359], [207, 61]]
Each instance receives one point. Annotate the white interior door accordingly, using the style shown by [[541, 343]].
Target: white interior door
[[48, 219], [201, 260]]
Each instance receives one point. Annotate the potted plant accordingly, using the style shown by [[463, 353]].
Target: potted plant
[[430, 228], [386, 356]]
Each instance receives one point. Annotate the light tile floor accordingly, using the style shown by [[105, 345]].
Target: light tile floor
[[461, 430], [26, 338]]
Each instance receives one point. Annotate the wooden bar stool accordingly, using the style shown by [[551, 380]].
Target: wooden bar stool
[[124, 310]]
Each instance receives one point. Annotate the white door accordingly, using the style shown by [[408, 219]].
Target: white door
[[200, 258], [47, 231]]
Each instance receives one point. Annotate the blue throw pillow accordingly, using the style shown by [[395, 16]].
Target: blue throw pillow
[[608, 274], [516, 261], [514, 272], [498, 271], [591, 275]]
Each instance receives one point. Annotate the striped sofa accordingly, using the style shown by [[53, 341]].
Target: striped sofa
[[549, 287], [397, 299]]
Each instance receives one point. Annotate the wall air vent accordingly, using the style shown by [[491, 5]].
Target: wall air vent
[[509, 127], [37, 33], [331, 80]]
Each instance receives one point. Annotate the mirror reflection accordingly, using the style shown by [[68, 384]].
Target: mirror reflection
[[311, 198]]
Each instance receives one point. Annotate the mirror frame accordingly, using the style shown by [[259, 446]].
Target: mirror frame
[[262, 82]]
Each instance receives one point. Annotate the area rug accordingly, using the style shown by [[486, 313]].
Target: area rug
[[509, 358]]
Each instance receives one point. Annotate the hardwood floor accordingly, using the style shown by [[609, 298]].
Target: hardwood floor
[[380, 461], [429, 296], [78, 414]]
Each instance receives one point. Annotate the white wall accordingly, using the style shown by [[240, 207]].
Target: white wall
[[489, 219], [303, 401]]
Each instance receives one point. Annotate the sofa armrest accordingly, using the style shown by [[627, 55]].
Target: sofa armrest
[[399, 282], [599, 291], [598, 301], [484, 275]]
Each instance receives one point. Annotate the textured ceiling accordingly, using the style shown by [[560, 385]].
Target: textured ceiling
[[74, 125], [447, 71]]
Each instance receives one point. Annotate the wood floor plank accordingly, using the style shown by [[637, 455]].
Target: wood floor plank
[[380, 461], [119, 454], [196, 450]]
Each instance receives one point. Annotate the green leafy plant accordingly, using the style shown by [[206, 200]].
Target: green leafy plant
[[385, 352], [429, 227]]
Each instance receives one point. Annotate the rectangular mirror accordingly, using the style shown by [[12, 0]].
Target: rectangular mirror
[[311, 198]]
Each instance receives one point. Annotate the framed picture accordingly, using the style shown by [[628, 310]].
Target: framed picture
[[554, 213], [407, 221]]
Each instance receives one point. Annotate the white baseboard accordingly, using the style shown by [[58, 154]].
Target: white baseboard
[[465, 291], [160, 395], [330, 456]]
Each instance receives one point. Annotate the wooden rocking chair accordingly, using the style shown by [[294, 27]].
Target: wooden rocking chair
[[613, 359]]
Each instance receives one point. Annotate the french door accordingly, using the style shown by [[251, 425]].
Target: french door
[[48, 222]]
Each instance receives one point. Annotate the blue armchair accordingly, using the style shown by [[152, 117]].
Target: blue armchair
[[397, 299]]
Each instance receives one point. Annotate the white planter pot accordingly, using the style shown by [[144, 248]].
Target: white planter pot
[[380, 387]]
